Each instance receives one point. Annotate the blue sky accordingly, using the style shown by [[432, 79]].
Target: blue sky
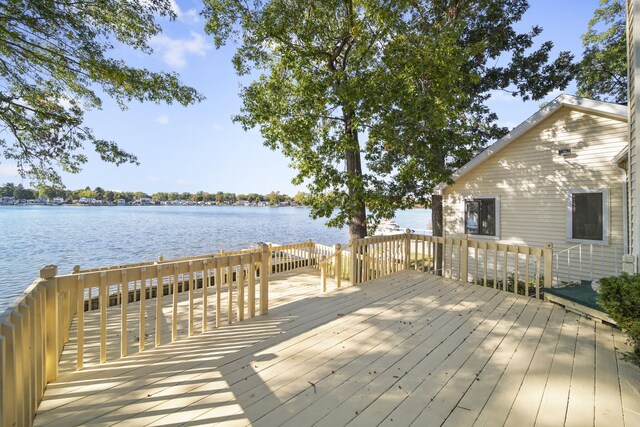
[[199, 148]]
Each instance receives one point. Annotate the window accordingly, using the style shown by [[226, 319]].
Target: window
[[480, 217], [587, 216]]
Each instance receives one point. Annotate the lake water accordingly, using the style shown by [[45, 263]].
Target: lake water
[[34, 236]]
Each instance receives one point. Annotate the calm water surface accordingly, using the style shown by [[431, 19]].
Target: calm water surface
[[34, 236]]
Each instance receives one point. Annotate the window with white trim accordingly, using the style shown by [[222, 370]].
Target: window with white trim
[[588, 215], [480, 217]]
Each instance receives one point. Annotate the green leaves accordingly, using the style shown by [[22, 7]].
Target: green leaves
[[603, 69], [376, 102], [53, 62]]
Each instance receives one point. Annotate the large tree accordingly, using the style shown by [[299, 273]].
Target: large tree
[[603, 69], [401, 85], [55, 65]]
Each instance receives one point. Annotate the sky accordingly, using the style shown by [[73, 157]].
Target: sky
[[199, 148]]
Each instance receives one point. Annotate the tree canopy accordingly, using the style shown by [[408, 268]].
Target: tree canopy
[[376, 102], [603, 69], [55, 65]]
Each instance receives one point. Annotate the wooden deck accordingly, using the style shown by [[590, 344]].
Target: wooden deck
[[410, 348]]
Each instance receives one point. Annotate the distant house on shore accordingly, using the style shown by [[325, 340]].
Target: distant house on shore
[[559, 177]]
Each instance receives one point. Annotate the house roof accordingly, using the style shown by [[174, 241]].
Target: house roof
[[615, 111]]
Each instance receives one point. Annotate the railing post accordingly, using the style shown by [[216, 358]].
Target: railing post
[[323, 273], [464, 257], [548, 265], [310, 255], [354, 263], [407, 249], [49, 273], [264, 280], [338, 272]]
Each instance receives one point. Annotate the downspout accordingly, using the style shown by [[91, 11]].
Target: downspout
[[627, 261], [625, 208]]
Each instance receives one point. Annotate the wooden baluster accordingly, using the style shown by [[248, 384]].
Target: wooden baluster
[[192, 283], [103, 302], [323, 273], [484, 263], [251, 300], [159, 292], [229, 293], [338, 261], [240, 298], [475, 263], [123, 313], [451, 259], [538, 263], [495, 267], [505, 268], [264, 281], [143, 299], [516, 277], [526, 273], [80, 329], [174, 315], [205, 285], [218, 293]]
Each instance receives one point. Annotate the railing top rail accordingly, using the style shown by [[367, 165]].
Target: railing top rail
[[15, 303], [224, 257], [303, 245], [330, 257], [190, 258], [571, 248], [615, 246]]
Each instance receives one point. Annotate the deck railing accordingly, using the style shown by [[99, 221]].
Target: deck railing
[[35, 327], [586, 261], [518, 269]]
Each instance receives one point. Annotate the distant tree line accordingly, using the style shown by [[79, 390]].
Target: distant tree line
[[98, 193]]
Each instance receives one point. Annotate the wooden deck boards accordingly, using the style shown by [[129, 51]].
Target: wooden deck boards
[[406, 349]]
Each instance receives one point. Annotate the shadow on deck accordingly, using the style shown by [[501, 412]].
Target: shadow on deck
[[409, 348]]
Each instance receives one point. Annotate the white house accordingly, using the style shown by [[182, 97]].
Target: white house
[[560, 178]]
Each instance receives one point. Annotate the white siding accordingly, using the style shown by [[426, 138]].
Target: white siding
[[533, 181]]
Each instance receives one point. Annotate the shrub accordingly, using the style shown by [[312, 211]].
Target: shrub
[[620, 297]]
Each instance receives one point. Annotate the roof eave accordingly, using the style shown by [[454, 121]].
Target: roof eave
[[615, 111]]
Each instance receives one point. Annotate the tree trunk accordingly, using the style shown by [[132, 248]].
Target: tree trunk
[[358, 222]]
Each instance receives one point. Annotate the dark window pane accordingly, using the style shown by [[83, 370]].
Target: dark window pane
[[489, 217], [472, 217], [587, 216], [480, 217]]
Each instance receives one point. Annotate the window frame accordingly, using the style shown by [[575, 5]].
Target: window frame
[[605, 216], [496, 200]]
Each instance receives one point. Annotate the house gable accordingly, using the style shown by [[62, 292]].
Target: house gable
[[534, 173], [588, 106]]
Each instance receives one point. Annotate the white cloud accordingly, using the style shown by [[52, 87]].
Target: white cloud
[[216, 127], [8, 170], [162, 119], [153, 178], [189, 16], [183, 182], [175, 51]]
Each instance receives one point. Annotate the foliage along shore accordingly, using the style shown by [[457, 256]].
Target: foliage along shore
[[17, 194]]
